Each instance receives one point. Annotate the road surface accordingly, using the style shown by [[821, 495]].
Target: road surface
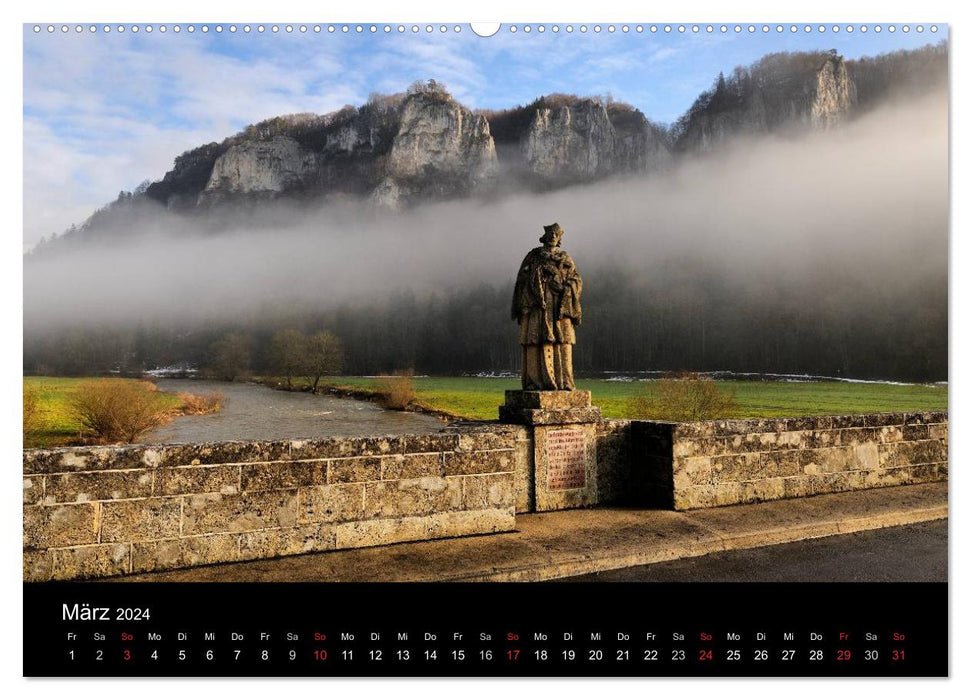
[[909, 553]]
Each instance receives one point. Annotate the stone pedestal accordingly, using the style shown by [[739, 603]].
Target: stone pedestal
[[562, 472]]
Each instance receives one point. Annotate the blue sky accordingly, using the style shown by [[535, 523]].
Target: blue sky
[[102, 112]]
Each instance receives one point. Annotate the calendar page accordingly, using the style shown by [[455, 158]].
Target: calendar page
[[519, 349]]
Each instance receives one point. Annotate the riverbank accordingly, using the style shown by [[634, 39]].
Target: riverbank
[[478, 398]]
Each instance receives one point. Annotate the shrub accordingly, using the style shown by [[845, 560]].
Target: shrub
[[683, 397], [118, 411], [32, 410], [396, 391], [200, 404]]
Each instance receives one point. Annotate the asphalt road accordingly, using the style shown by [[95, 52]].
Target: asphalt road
[[908, 553]]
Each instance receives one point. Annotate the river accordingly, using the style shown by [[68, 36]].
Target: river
[[255, 412]]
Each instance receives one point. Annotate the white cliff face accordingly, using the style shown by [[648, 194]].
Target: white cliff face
[[570, 142], [441, 140], [833, 98], [273, 166], [782, 95]]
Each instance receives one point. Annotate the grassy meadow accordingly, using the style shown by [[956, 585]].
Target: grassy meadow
[[479, 398], [56, 425]]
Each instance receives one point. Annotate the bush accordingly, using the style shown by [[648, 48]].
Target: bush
[[396, 391], [32, 411], [200, 404], [683, 397], [114, 411]]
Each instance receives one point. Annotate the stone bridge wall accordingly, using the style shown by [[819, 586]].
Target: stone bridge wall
[[716, 463], [101, 511]]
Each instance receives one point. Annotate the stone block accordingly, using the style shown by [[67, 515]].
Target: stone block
[[330, 448], [274, 476], [368, 533], [882, 419], [695, 429], [763, 490], [856, 436], [518, 400], [91, 561], [525, 474], [176, 481], [703, 496], [412, 466], [812, 423], [61, 525], [691, 471], [353, 469], [477, 440], [333, 503], [438, 442], [728, 494], [407, 497], [741, 467], [488, 491], [552, 416], [854, 421], [483, 462], [865, 456], [886, 456], [234, 452], [143, 519], [71, 459], [81, 487], [919, 452], [924, 417], [266, 544], [912, 432], [701, 447], [789, 463], [33, 489], [213, 513], [38, 565], [162, 555]]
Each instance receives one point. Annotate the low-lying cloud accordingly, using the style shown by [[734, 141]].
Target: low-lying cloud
[[867, 201]]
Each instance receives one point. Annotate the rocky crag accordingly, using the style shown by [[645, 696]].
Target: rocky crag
[[422, 145]]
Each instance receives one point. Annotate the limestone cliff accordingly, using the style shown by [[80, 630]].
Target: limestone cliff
[[564, 139], [570, 142], [268, 167], [441, 149], [781, 92], [422, 145]]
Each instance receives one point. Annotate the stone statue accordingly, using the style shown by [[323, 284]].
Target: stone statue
[[546, 303]]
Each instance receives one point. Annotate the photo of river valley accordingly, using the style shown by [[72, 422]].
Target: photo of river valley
[[409, 305]]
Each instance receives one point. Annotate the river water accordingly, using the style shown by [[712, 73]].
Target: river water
[[255, 412]]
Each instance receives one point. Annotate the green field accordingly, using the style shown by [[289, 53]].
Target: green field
[[479, 398], [56, 425]]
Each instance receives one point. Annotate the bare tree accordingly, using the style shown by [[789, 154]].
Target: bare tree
[[324, 357], [287, 353], [231, 356]]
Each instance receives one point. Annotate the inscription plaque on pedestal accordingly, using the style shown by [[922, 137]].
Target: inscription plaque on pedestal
[[566, 455]]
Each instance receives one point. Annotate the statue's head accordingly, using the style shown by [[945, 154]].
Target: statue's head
[[552, 235]]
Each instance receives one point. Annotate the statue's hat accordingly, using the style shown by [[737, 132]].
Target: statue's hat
[[551, 231]]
